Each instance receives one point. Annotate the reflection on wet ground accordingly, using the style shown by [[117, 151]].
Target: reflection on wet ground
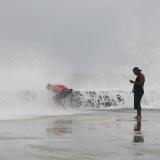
[[138, 135], [98, 135], [60, 127]]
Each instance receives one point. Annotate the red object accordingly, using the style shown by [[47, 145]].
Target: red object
[[59, 88]]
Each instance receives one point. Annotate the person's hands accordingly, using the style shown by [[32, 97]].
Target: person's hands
[[131, 81]]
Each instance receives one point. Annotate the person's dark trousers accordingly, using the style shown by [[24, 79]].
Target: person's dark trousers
[[137, 101]]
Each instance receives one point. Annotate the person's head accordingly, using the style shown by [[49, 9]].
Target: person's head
[[49, 87], [71, 90], [136, 70]]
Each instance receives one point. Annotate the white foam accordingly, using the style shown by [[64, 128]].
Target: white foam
[[31, 104]]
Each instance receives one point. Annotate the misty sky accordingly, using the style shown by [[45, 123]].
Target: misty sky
[[80, 35]]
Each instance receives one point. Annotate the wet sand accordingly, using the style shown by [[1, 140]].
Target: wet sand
[[97, 135]]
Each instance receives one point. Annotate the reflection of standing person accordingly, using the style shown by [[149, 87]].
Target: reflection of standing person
[[138, 90], [138, 136], [138, 125]]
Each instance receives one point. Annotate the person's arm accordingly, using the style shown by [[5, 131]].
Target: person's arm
[[131, 81], [141, 80]]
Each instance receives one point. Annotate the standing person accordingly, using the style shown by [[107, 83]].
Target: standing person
[[138, 90], [61, 92]]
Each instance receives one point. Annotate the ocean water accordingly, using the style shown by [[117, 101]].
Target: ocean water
[[90, 46], [24, 77], [95, 123], [39, 103]]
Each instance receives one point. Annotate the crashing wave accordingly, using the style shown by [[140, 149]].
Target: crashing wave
[[95, 99], [79, 99]]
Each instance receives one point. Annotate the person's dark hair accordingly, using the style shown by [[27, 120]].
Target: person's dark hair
[[136, 69]]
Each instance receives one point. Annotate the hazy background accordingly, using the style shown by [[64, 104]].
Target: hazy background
[[81, 43]]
